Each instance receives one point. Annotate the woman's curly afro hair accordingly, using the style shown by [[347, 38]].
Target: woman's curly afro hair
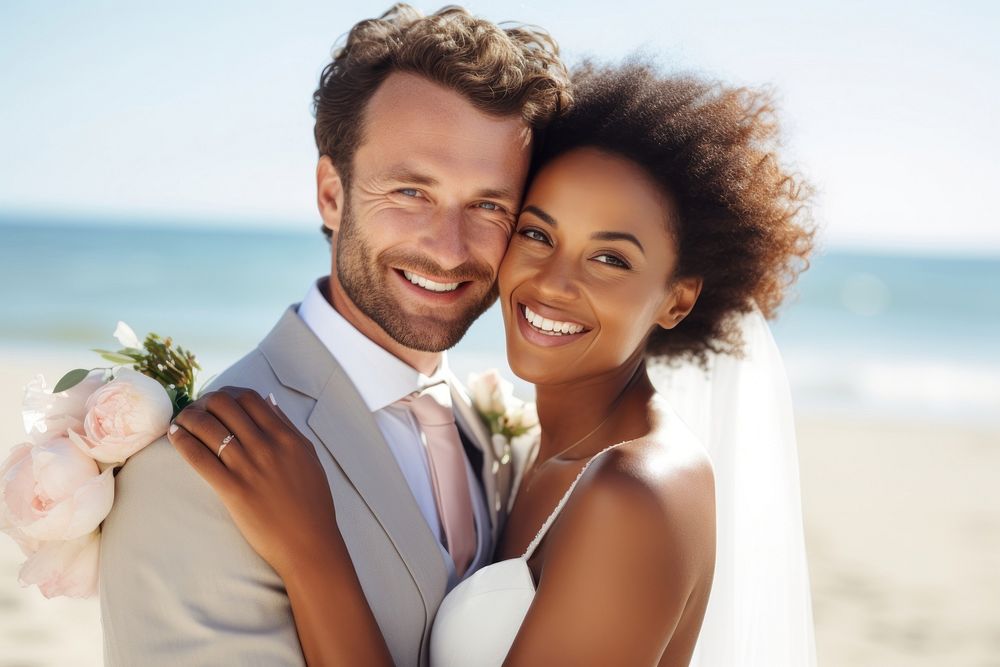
[[743, 221]]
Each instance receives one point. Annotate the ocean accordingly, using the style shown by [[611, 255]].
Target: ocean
[[865, 333]]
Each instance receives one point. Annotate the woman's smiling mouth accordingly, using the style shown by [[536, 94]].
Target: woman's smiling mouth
[[547, 332], [550, 327]]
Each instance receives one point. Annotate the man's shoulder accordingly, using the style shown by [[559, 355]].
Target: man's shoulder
[[251, 371]]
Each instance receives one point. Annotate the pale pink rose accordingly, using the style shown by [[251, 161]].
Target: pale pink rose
[[66, 567], [47, 415], [52, 492], [124, 416], [17, 455], [491, 394]]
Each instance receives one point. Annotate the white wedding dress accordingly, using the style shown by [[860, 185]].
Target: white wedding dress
[[478, 620], [759, 612]]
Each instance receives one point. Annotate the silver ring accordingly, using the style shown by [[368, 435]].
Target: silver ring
[[225, 443]]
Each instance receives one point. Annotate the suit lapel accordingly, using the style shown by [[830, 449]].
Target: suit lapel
[[346, 428], [495, 471]]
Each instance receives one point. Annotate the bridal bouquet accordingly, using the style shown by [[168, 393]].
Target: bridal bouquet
[[56, 489]]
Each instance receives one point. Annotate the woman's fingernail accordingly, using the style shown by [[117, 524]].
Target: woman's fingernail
[[273, 400], [172, 429]]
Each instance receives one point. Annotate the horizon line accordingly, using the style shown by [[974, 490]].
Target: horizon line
[[265, 224]]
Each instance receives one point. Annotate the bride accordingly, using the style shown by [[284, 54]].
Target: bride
[[657, 220]]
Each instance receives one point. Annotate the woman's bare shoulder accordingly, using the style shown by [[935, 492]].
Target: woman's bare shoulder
[[668, 467], [655, 495]]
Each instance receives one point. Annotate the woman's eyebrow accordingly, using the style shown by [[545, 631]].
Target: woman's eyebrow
[[618, 236], [600, 236], [540, 214]]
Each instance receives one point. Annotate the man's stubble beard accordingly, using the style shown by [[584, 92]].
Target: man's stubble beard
[[363, 278]]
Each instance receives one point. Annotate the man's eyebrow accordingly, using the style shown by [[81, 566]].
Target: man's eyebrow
[[406, 174], [600, 236], [496, 193]]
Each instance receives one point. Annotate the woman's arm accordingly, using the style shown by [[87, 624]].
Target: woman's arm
[[627, 567], [271, 480]]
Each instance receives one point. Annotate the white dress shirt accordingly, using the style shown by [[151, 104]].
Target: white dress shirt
[[382, 379]]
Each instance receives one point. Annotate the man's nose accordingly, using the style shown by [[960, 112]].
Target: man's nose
[[446, 239]]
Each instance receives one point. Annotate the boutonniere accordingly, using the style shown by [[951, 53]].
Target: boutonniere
[[513, 423]]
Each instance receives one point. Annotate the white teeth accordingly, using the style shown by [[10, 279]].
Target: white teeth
[[430, 284], [551, 327]]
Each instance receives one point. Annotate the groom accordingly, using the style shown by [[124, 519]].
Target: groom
[[425, 128]]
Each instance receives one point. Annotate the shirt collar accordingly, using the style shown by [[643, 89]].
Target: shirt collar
[[380, 378]]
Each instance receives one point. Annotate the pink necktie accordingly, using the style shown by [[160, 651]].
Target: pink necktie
[[448, 476]]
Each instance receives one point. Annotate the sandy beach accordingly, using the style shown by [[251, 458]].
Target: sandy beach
[[902, 524]]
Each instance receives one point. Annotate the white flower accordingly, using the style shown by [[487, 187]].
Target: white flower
[[124, 416], [513, 423], [47, 415], [65, 567], [491, 394], [126, 336], [521, 417]]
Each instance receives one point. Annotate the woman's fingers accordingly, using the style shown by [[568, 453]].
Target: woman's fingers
[[213, 435], [261, 431], [271, 421], [234, 417], [203, 460]]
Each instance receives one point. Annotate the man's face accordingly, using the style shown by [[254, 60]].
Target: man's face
[[430, 206]]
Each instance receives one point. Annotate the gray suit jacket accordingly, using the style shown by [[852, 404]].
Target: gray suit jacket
[[179, 584]]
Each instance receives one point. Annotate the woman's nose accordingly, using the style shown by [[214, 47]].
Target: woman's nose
[[558, 280]]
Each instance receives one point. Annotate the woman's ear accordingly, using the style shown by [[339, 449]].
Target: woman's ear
[[329, 194], [684, 294]]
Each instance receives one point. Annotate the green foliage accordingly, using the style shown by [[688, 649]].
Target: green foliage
[[173, 367], [71, 379]]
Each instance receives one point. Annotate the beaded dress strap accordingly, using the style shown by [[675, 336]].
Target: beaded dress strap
[[555, 513]]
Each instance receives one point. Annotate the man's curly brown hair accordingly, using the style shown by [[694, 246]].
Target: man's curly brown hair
[[743, 222], [501, 70]]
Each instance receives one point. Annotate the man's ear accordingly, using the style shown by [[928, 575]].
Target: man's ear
[[329, 194], [684, 295]]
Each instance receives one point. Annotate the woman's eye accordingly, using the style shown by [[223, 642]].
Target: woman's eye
[[613, 260], [534, 235]]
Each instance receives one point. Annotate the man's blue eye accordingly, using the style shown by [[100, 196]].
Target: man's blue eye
[[410, 192], [489, 205]]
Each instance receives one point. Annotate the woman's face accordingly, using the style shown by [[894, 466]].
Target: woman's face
[[586, 276]]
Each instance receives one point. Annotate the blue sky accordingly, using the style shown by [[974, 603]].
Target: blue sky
[[200, 111]]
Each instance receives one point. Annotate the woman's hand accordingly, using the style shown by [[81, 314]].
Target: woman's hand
[[267, 474], [270, 479]]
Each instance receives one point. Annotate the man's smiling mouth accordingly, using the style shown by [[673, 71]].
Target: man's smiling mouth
[[429, 284]]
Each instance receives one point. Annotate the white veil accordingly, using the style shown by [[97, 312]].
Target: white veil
[[760, 611]]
